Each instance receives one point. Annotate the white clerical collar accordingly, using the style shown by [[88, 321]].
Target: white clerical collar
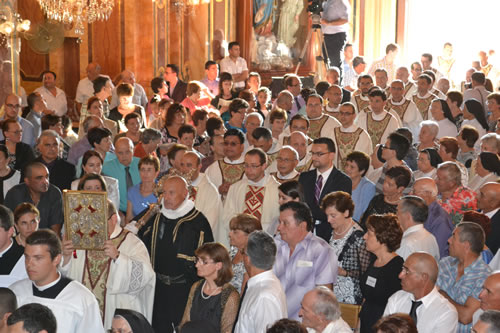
[[367, 98], [303, 161], [47, 286], [398, 103], [291, 175], [182, 210], [490, 214], [238, 161], [274, 148], [117, 231], [349, 129], [423, 97], [379, 117], [7, 249], [330, 109], [197, 180], [260, 183]]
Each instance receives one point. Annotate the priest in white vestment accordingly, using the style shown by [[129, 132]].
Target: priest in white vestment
[[74, 306], [320, 124], [256, 195], [404, 108], [360, 98], [126, 279]]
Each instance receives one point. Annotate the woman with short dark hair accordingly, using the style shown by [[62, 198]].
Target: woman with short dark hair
[[213, 298], [381, 279], [363, 190]]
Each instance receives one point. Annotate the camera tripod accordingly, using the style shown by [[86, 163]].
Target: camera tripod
[[316, 30]]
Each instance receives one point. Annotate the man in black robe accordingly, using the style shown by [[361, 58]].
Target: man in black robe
[[171, 237]]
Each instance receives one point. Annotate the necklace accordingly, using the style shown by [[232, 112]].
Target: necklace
[[210, 295], [345, 230]]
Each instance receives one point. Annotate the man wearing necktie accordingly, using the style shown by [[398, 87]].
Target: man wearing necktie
[[324, 179], [294, 85], [125, 168], [420, 298]]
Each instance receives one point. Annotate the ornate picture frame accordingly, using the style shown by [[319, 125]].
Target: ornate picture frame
[[86, 219]]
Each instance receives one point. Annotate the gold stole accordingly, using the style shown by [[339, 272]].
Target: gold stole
[[254, 200], [408, 86], [304, 167], [96, 271], [423, 105], [315, 127], [376, 128], [231, 173], [281, 181], [400, 109], [346, 143], [486, 70], [361, 103]]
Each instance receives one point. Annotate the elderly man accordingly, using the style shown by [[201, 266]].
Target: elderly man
[[85, 88], [300, 142], [285, 164], [74, 306], [171, 237], [410, 88], [438, 220], [420, 298], [488, 322], [227, 171], [350, 137], [325, 178], [81, 146], [53, 96], [303, 260], [294, 85], [454, 197], [124, 269], [462, 274], [489, 296], [320, 124], [264, 300], [412, 214], [62, 173], [404, 108], [333, 78], [204, 194], [320, 312], [284, 101], [139, 97], [37, 190], [360, 98], [125, 168], [12, 267], [12, 106], [488, 201], [255, 195], [252, 121]]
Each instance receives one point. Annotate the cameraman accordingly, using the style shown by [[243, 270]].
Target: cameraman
[[335, 24]]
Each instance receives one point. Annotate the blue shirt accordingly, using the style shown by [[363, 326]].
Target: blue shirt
[[139, 203], [362, 195], [213, 86], [109, 156], [228, 126], [469, 285], [116, 170], [440, 225]]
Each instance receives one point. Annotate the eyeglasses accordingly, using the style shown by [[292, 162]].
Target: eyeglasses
[[286, 160], [13, 106], [202, 261], [318, 153], [252, 166], [346, 113], [385, 147]]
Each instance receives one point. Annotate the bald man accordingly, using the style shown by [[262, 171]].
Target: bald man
[[139, 97], [488, 201], [420, 298], [334, 96], [438, 221], [171, 237], [403, 74], [85, 88], [202, 191], [489, 297], [283, 168], [300, 142], [125, 168], [12, 106]]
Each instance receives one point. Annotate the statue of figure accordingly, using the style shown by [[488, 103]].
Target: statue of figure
[[263, 16], [288, 23]]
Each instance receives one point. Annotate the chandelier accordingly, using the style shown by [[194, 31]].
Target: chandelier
[[75, 12], [11, 24], [182, 7]]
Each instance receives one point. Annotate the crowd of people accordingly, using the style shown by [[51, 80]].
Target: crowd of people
[[232, 211]]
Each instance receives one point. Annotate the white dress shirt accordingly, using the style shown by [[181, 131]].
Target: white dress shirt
[[446, 128], [58, 103], [337, 326], [263, 304], [436, 314], [234, 67], [417, 238]]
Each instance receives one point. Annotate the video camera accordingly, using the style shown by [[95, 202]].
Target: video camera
[[315, 7]]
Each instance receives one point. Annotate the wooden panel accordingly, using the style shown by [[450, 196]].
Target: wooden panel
[[71, 66], [195, 44]]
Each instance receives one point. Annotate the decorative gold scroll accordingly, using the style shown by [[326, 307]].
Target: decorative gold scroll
[[86, 219]]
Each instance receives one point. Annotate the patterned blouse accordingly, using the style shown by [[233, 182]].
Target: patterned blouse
[[462, 200], [238, 270], [354, 259]]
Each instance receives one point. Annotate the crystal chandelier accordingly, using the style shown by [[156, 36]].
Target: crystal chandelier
[[77, 11], [182, 7], [11, 24]]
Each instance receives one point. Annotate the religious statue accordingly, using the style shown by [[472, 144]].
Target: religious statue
[[263, 16], [288, 23]]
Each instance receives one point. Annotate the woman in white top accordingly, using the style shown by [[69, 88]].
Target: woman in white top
[[428, 161], [474, 116], [92, 163], [487, 170], [442, 114]]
